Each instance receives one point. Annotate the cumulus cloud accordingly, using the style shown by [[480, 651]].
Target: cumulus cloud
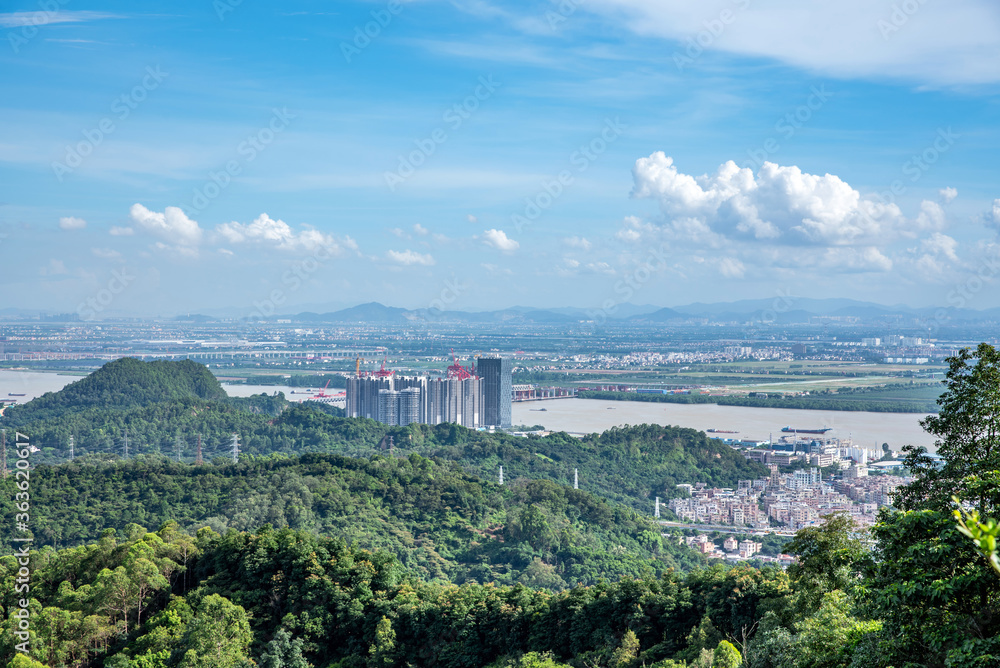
[[633, 230], [577, 242], [940, 244], [420, 230], [498, 239], [408, 257], [730, 267], [72, 223], [266, 231], [865, 259], [172, 226], [780, 204], [948, 194], [121, 231], [106, 253], [471, 218]]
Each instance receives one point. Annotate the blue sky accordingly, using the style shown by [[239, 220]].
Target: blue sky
[[479, 154]]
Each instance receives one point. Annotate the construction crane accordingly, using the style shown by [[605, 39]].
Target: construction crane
[[383, 372], [357, 368], [458, 371]]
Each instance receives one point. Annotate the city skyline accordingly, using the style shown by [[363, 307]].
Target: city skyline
[[542, 155]]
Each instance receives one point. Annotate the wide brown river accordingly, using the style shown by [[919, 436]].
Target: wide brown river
[[868, 430]]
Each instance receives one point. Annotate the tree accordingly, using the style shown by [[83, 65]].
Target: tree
[[283, 652], [926, 580], [726, 656], [829, 557], [968, 431], [383, 650], [218, 636], [626, 653]]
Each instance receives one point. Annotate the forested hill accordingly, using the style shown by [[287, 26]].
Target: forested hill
[[124, 383], [439, 521], [166, 406]]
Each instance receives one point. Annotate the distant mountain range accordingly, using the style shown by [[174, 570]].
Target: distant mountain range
[[780, 310]]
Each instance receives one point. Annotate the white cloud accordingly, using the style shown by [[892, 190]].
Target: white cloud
[[72, 223], [634, 229], [420, 230], [471, 218], [54, 268], [577, 242], [948, 194], [730, 267], [993, 217], [944, 43], [121, 231], [866, 259], [39, 18], [499, 240], [172, 226], [408, 258], [940, 244], [106, 253], [779, 204], [267, 231], [399, 233]]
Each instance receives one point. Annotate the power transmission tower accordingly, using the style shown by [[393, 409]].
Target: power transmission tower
[[3, 454], [197, 457], [657, 512], [576, 479], [177, 447], [390, 447], [71, 447], [126, 444], [236, 448], [501, 475]]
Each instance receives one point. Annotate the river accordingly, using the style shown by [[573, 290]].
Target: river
[[869, 430]]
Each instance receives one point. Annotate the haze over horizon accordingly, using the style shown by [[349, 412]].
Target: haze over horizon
[[483, 154]]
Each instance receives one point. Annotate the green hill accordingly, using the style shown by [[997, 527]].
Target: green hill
[[438, 520], [123, 383]]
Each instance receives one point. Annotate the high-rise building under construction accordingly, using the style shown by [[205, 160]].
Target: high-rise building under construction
[[403, 400], [497, 389]]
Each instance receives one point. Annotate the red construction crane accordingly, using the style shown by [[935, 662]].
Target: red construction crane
[[383, 372], [458, 371]]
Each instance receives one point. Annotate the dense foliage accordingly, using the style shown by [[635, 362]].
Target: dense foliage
[[438, 521]]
